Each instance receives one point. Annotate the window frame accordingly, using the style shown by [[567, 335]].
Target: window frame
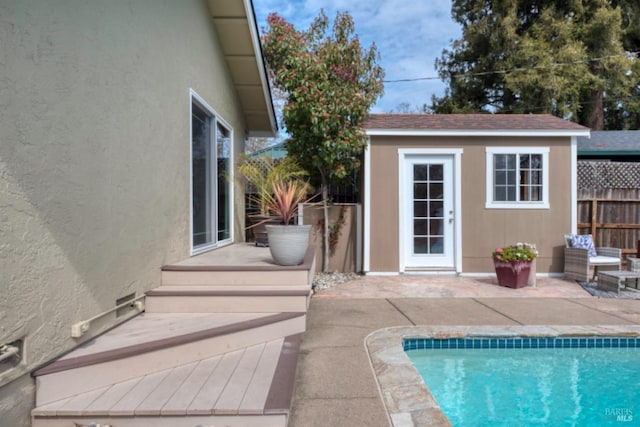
[[490, 185], [215, 121]]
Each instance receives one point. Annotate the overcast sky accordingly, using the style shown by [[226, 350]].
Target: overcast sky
[[409, 35]]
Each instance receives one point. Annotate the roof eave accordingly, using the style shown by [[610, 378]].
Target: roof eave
[[481, 132], [257, 46], [237, 30]]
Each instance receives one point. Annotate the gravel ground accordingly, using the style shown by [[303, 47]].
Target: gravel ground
[[327, 280]]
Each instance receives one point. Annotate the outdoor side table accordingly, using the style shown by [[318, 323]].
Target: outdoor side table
[[614, 280], [633, 264]]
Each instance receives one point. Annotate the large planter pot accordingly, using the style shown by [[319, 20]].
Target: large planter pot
[[288, 243], [513, 274]]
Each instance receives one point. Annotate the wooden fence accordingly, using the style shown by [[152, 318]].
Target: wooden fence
[[612, 216], [609, 203]]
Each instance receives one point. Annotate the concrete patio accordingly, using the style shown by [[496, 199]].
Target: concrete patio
[[335, 384], [450, 286]]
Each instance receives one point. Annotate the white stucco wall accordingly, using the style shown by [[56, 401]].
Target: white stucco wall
[[94, 160]]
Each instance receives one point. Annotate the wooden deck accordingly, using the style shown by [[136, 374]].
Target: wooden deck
[[217, 345], [151, 327], [234, 383]]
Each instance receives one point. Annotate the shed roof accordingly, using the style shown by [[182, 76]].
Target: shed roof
[[610, 142], [479, 124]]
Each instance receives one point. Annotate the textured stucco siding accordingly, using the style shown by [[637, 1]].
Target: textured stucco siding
[[94, 159]]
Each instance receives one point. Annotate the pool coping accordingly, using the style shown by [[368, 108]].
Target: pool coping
[[407, 400]]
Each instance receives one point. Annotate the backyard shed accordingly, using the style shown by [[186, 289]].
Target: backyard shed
[[441, 192]]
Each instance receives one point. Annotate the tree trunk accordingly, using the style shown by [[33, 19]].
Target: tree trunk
[[325, 207], [596, 118]]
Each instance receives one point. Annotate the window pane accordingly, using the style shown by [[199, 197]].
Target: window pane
[[420, 245], [420, 191], [435, 172], [536, 177], [511, 194], [436, 245], [436, 209], [530, 177], [223, 146], [436, 191], [436, 227], [504, 177], [201, 176], [536, 161], [500, 161], [536, 193], [419, 172], [420, 209], [420, 227]]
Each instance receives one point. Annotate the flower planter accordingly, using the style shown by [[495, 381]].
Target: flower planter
[[512, 274], [288, 243]]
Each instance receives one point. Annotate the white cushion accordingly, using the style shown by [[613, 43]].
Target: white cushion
[[604, 260]]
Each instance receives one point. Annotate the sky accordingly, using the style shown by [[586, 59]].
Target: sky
[[409, 35]]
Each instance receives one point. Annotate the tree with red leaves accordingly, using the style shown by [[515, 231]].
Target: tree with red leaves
[[331, 82]]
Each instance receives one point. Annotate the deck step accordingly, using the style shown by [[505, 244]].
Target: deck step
[[246, 387], [155, 342], [258, 270], [181, 276], [228, 299]]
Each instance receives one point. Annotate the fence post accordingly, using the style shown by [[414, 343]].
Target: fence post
[[594, 218]]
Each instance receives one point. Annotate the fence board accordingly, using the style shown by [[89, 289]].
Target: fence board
[[613, 223]]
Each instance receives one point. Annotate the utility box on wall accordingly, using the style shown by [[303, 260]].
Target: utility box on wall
[[346, 252]]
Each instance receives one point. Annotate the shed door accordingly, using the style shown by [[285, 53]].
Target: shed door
[[428, 212]]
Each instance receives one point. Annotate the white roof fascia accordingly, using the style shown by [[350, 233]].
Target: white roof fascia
[[257, 48], [428, 132]]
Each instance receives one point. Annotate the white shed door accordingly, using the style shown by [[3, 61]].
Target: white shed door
[[428, 212]]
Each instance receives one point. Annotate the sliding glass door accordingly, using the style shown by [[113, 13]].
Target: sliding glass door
[[211, 191]]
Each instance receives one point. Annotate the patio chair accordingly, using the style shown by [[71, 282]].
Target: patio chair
[[577, 261]]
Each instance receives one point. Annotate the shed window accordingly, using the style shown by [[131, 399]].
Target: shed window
[[517, 177]]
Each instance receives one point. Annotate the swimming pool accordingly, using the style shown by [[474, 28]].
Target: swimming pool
[[584, 381], [410, 403]]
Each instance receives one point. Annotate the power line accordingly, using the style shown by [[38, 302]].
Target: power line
[[511, 70]]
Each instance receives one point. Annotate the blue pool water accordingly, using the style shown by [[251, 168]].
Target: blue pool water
[[533, 386]]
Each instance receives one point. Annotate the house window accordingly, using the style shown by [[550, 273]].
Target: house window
[[223, 156], [517, 177], [211, 191]]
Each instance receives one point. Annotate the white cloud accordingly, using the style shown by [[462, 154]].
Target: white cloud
[[410, 35]]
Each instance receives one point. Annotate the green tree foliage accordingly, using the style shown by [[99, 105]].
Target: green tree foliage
[[331, 82], [561, 57]]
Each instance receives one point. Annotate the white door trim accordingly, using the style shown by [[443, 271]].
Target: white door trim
[[366, 238], [456, 153]]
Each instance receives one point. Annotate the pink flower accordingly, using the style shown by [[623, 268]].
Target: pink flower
[[499, 250]]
